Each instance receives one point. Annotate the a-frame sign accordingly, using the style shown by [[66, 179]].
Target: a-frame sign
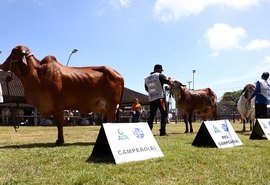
[[261, 129], [125, 142], [217, 133]]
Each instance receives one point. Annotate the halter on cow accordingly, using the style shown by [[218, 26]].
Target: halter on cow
[[52, 87]]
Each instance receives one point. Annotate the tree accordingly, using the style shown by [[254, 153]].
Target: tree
[[229, 101]]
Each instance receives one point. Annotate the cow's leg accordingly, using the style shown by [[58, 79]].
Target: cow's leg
[[111, 116], [244, 125], [190, 122], [60, 125], [251, 124], [186, 122]]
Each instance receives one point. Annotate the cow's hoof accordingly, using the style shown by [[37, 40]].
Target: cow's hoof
[[191, 131], [59, 142], [186, 131]]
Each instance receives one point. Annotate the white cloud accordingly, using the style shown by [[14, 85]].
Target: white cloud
[[266, 60], [120, 3], [170, 10], [257, 44], [223, 37], [41, 2], [249, 76]]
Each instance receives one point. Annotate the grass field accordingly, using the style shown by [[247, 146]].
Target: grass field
[[29, 156]]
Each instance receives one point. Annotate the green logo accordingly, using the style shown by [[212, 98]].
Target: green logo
[[216, 130], [122, 135]]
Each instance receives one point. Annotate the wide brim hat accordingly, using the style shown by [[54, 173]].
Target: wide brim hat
[[157, 67]]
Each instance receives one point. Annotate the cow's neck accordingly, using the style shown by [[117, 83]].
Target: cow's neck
[[184, 93], [30, 81], [33, 64]]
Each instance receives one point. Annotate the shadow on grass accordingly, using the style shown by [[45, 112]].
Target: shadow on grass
[[101, 159], [176, 133], [46, 145], [244, 133]]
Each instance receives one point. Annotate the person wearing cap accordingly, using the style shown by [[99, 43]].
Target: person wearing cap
[[262, 94], [136, 108], [154, 86]]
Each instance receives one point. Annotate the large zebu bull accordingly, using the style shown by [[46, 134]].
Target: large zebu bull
[[201, 101], [247, 108], [52, 87]]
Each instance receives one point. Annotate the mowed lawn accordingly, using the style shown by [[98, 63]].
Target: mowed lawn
[[30, 156]]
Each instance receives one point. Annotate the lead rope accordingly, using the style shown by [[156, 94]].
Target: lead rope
[[14, 120]]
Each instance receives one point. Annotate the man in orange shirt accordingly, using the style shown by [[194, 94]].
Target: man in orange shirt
[[136, 108]]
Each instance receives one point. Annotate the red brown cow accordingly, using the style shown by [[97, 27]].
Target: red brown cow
[[201, 101], [53, 88]]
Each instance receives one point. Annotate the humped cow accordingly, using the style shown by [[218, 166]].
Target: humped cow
[[52, 87], [201, 101], [247, 108]]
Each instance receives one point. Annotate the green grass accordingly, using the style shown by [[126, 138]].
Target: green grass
[[29, 156]]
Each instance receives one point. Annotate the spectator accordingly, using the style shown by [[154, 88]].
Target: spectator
[[136, 110]]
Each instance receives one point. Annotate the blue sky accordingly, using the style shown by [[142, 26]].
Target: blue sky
[[227, 42]]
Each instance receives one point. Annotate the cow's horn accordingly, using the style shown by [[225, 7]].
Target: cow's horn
[[24, 52]]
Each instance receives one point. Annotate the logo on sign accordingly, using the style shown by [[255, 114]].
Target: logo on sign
[[216, 130], [138, 133], [264, 125], [225, 127], [122, 135]]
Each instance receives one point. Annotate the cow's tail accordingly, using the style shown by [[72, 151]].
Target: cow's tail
[[213, 97], [119, 105]]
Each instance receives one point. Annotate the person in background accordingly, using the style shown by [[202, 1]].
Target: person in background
[[262, 92], [136, 110], [156, 95]]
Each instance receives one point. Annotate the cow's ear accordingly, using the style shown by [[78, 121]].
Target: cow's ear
[[24, 60], [23, 68], [24, 54], [23, 64]]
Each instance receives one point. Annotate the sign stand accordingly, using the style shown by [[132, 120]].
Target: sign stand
[[218, 133], [203, 138], [125, 142], [101, 151], [261, 128]]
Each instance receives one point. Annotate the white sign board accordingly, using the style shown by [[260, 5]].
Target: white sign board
[[129, 142], [219, 133], [261, 128]]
